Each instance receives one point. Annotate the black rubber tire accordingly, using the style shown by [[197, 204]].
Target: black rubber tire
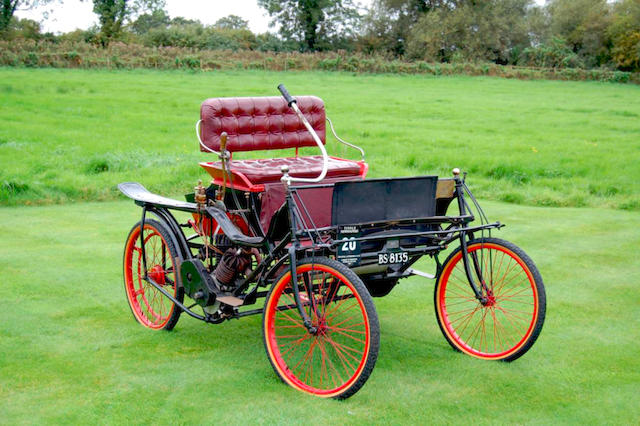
[[165, 233], [539, 286], [374, 326]]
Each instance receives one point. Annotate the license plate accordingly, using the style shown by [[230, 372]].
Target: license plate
[[394, 257], [348, 251]]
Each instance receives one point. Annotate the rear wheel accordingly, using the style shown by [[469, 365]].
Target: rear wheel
[[509, 322], [149, 306], [337, 360]]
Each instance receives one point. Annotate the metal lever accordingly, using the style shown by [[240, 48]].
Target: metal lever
[[316, 138], [291, 101], [223, 141], [224, 155]]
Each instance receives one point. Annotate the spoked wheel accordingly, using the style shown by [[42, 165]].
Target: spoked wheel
[[148, 305], [338, 358], [509, 322]]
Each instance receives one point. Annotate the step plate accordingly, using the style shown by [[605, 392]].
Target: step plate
[[230, 300]]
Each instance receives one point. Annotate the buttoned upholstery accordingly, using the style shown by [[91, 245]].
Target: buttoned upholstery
[[260, 123], [267, 123]]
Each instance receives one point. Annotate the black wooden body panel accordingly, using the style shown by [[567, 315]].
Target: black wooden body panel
[[379, 200]]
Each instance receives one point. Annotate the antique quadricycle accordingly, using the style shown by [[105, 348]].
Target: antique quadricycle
[[313, 241]]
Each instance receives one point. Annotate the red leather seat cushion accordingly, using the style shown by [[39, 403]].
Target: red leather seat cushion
[[260, 123], [268, 170]]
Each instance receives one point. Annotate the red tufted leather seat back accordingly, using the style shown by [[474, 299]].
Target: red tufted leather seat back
[[260, 123]]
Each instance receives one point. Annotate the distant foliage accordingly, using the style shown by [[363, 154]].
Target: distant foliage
[[150, 21], [584, 34], [492, 30], [595, 33], [114, 14], [77, 54], [626, 52], [315, 24], [556, 54], [229, 33], [24, 29], [232, 22], [625, 35], [583, 25], [388, 24], [8, 9]]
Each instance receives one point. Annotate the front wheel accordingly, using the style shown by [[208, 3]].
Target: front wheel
[[508, 323], [338, 358]]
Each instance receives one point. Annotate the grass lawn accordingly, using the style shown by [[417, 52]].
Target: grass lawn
[[77, 133], [71, 351], [556, 161]]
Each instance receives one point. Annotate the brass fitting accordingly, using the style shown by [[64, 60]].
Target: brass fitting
[[200, 195]]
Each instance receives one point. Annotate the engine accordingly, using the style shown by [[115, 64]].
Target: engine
[[202, 285], [233, 262], [219, 268]]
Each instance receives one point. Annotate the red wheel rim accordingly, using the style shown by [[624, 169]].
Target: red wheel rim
[[149, 306], [502, 326], [329, 362]]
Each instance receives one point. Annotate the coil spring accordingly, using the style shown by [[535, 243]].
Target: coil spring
[[233, 261]]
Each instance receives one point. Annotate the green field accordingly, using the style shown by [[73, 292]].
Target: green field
[[77, 133], [71, 352]]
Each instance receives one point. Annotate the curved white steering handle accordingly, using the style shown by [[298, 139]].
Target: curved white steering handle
[[325, 157]]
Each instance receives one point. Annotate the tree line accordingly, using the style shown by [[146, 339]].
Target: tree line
[[559, 34]]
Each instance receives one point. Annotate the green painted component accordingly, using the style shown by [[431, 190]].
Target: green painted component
[[193, 281]]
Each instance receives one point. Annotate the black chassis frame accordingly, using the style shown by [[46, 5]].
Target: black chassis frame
[[287, 249]]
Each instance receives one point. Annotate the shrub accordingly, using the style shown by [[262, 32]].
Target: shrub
[[30, 59], [557, 54], [72, 54]]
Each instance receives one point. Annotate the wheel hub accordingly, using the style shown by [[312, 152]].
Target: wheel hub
[[321, 327], [157, 274], [490, 299]]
